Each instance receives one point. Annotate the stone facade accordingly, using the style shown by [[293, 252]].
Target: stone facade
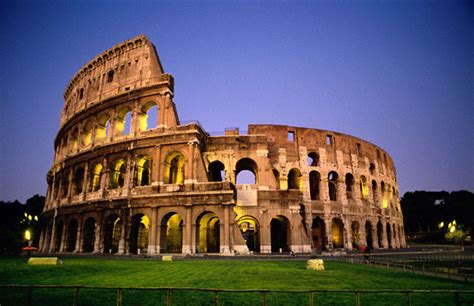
[[129, 178]]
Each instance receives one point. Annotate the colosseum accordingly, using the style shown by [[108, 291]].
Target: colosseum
[[129, 178]]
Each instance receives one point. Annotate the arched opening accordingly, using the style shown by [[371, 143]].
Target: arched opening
[[374, 191], [250, 230], [64, 184], [295, 179], [103, 127], [216, 171], [86, 135], [73, 141], [314, 179], [313, 159], [78, 180], [372, 169], [71, 235], [58, 235], [171, 238], [113, 231], [174, 168], [337, 230], [276, 175], [368, 234], [208, 233], [96, 177], [332, 185], [117, 174], [142, 175], [355, 235], [389, 235], [122, 121], [380, 234], [318, 230], [279, 232], [349, 185], [384, 197], [364, 188], [246, 171], [139, 234], [148, 117], [88, 235]]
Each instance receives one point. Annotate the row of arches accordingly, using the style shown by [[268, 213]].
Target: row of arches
[[120, 122]]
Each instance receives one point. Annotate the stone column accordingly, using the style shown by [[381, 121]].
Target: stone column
[[187, 241], [324, 188], [225, 248], [77, 248], [375, 236], [384, 236], [98, 229], [328, 229], [62, 245], [152, 237], [105, 176], [348, 234], [122, 247], [341, 191], [155, 168], [362, 234], [265, 233], [85, 183]]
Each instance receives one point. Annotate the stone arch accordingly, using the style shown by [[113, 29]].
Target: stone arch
[[71, 235], [337, 230], [280, 234], [374, 191], [174, 168], [276, 175], [389, 235], [117, 174], [246, 169], [250, 230], [88, 235], [216, 171], [380, 233], [355, 234], [364, 188], [78, 180], [208, 233], [313, 159], [86, 135], [314, 182], [332, 185], [112, 233], [295, 179], [139, 234], [122, 123], [372, 169], [148, 117], [64, 184], [368, 234], [349, 186], [142, 174], [171, 238], [102, 130], [73, 141], [96, 177], [58, 235], [318, 230]]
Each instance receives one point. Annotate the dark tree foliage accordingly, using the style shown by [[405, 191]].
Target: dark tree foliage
[[423, 210], [13, 223]]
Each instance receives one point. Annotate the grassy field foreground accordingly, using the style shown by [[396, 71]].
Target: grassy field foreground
[[219, 274]]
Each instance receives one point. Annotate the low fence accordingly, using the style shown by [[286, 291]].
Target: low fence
[[451, 265], [214, 294]]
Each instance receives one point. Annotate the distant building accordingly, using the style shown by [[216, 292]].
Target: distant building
[[129, 178]]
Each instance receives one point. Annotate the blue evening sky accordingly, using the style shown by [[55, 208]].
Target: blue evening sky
[[398, 74]]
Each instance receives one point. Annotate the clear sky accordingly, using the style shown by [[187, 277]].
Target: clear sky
[[398, 74]]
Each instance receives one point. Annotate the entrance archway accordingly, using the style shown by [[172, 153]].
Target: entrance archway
[[368, 234], [337, 230], [113, 231], [139, 234], [250, 230], [279, 227], [318, 230], [71, 235], [380, 234], [208, 233], [355, 235], [389, 236], [58, 235], [88, 235], [171, 238]]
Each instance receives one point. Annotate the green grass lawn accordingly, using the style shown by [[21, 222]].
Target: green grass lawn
[[220, 274]]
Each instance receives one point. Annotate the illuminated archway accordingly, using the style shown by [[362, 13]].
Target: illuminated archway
[[208, 233], [122, 121], [102, 129], [117, 174], [142, 175], [139, 234], [148, 117], [96, 177], [250, 230], [295, 179], [86, 135], [113, 231], [174, 168], [279, 232], [88, 235], [355, 234], [171, 238], [318, 230], [364, 188], [337, 230]]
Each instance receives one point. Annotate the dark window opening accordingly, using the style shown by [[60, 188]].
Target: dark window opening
[[313, 159], [329, 140], [110, 76], [216, 171], [358, 149], [372, 168], [81, 93], [291, 136]]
